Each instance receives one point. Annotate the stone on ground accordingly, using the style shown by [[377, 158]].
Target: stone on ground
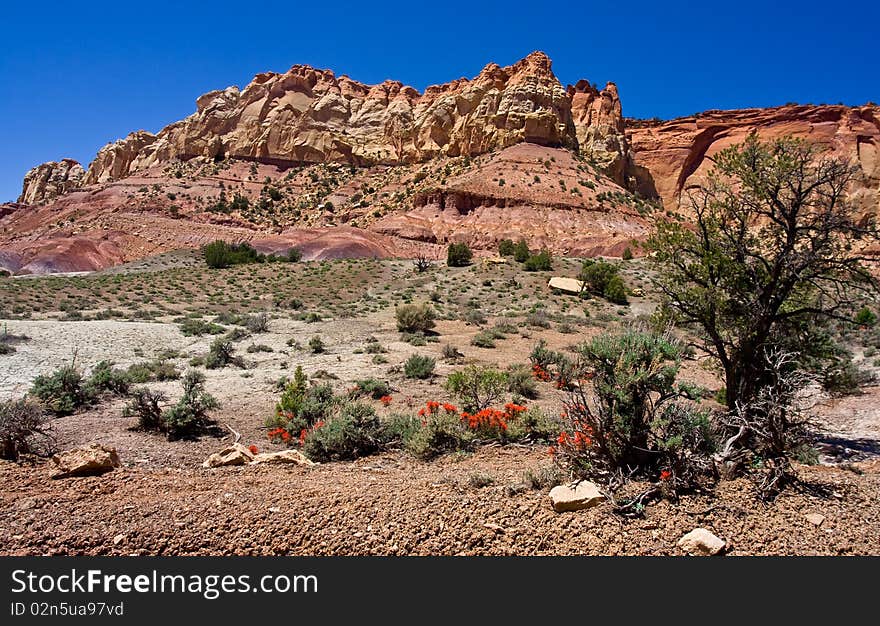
[[91, 460], [701, 542], [236, 454], [283, 456], [581, 495], [566, 285]]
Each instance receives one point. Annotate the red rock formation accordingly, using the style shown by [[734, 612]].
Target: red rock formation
[[672, 157]]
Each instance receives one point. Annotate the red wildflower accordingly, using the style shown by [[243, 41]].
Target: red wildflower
[[449, 408], [665, 475], [551, 450], [302, 436], [385, 400], [254, 449], [285, 436]]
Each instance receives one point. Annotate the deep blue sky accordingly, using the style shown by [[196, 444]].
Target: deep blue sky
[[77, 75]]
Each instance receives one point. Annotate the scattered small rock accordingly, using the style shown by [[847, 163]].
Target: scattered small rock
[[91, 460], [815, 519], [701, 542], [581, 495], [236, 454]]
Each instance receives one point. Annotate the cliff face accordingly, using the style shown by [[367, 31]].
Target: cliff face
[[50, 180], [308, 115], [672, 157]]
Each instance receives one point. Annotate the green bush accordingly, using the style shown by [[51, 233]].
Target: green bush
[[316, 344], [158, 369], [22, 429], [521, 252], [354, 432], [219, 254], [506, 247], [603, 279], [627, 254], [441, 433], [294, 255], [372, 387], [257, 323], [477, 388], [62, 392], [458, 255], [865, 317], [636, 419], [220, 354], [419, 366], [520, 381], [189, 417], [484, 339], [107, 379], [541, 262], [414, 318], [145, 405], [191, 326]]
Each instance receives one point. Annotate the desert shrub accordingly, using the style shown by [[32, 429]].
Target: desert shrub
[[400, 428], [451, 353], [5, 348], [441, 432], [521, 252], [419, 366], [865, 317], [506, 247], [191, 326], [543, 477], [371, 387], [258, 347], [220, 354], [257, 323], [316, 344], [107, 379], [542, 356], [63, 391], [146, 371], [458, 255], [145, 405], [23, 429], [540, 262], [414, 318], [521, 382], [294, 255], [477, 388], [219, 254], [636, 420], [538, 318], [603, 279], [300, 408], [474, 316], [352, 433], [189, 417], [484, 339], [627, 254]]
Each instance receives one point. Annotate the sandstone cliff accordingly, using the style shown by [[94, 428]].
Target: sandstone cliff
[[50, 180], [306, 115]]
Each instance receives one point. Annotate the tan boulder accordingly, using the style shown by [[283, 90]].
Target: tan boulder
[[283, 457], [90, 460], [701, 542], [50, 180], [576, 496], [235, 454], [566, 285]]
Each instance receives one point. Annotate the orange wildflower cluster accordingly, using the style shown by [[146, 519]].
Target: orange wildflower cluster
[[487, 419], [385, 400], [665, 475], [277, 434], [539, 373], [432, 408], [254, 449], [579, 440], [282, 435]]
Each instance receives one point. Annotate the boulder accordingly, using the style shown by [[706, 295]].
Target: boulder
[[236, 454], [701, 542], [566, 285], [90, 460], [282, 457], [576, 496]]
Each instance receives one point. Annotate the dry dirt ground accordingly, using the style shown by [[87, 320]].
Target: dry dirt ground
[[161, 501]]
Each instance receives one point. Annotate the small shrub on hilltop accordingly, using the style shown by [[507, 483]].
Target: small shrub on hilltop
[[414, 318], [865, 317], [22, 429], [458, 255], [419, 366]]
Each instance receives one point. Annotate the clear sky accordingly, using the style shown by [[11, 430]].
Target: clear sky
[[78, 75]]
